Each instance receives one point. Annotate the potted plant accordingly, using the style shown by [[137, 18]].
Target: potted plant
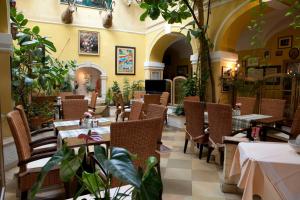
[[113, 163]]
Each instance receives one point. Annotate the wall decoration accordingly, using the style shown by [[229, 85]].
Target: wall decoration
[[125, 60], [252, 62], [98, 4], [285, 42], [254, 73], [89, 43], [225, 85], [269, 71], [226, 72], [279, 53], [182, 70], [294, 53], [267, 55]]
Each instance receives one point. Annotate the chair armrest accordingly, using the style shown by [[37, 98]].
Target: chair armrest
[[44, 150], [33, 133], [36, 157], [42, 142], [239, 131]]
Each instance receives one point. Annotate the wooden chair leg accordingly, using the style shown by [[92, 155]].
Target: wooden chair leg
[[185, 145], [117, 116], [24, 195], [200, 151], [210, 149], [221, 158]]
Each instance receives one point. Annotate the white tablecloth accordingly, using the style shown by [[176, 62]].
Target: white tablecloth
[[271, 170], [101, 121]]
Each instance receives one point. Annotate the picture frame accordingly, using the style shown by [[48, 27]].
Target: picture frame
[[252, 62], [225, 85], [125, 60], [285, 42], [182, 70], [100, 5], [270, 70], [88, 43], [226, 72], [254, 73]]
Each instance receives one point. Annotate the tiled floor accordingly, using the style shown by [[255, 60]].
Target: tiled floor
[[185, 177]]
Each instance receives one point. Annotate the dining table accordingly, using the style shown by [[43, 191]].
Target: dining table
[[68, 131], [268, 169]]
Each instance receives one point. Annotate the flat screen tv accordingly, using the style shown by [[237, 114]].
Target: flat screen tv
[[155, 86]]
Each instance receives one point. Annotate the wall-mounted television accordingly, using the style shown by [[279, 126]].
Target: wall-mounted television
[[155, 86]]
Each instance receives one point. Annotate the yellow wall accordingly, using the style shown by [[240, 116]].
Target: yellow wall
[[65, 39], [5, 82]]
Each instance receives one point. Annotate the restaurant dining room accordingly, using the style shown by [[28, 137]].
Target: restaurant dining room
[[150, 100]]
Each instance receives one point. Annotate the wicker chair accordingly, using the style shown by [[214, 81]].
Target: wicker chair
[[150, 99], [279, 135], [157, 111], [137, 138], [74, 108], [192, 98], [93, 102], [273, 107], [64, 94], [136, 110], [164, 100], [75, 96], [194, 113], [138, 94], [121, 109], [41, 145], [29, 164], [248, 105], [220, 125]]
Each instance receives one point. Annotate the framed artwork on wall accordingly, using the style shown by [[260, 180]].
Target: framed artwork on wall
[[125, 58], [88, 43], [252, 62], [98, 4], [272, 70], [285, 42]]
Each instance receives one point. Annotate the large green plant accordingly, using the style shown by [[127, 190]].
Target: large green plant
[[126, 91], [33, 68], [190, 86], [112, 163]]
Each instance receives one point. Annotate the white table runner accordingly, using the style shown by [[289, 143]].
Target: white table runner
[[76, 122]]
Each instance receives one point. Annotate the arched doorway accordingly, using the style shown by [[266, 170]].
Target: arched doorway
[[177, 59], [89, 77]]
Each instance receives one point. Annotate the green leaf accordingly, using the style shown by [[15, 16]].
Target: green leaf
[[144, 16], [54, 161], [36, 30], [121, 167], [24, 22], [20, 17], [151, 163], [30, 43], [93, 182], [71, 164]]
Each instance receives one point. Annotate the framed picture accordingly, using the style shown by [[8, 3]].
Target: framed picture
[[182, 70], [226, 72], [279, 53], [285, 42], [225, 85], [254, 73], [125, 60], [252, 62], [88, 43], [98, 4], [272, 70]]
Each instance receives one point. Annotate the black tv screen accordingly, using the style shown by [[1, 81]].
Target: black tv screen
[[155, 86]]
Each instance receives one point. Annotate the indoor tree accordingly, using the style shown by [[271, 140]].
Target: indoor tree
[[34, 70], [176, 11]]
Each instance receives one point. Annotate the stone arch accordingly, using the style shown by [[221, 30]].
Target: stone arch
[[102, 76]]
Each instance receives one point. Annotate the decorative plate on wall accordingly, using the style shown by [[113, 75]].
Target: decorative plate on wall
[[294, 53]]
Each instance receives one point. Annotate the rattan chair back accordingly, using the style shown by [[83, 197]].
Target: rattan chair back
[[164, 98], [93, 100], [136, 137], [19, 134], [194, 113], [247, 104], [272, 107], [75, 96], [150, 99], [23, 115], [74, 108], [220, 121], [295, 129], [136, 110], [139, 94]]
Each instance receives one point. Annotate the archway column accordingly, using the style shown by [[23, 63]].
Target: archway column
[[194, 61], [154, 70], [103, 86]]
